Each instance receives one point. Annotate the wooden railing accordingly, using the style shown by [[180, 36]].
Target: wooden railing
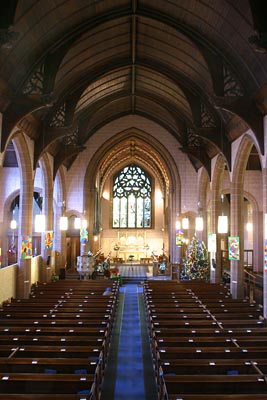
[[253, 285]]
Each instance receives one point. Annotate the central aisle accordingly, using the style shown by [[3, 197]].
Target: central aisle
[[129, 373]]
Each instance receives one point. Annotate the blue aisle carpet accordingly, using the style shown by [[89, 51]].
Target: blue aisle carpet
[[130, 378], [129, 374]]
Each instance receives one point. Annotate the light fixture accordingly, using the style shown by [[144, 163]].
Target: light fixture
[[249, 227], [63, 221], [77, 223], [249, 224], [185, 223], [39, 223], [222, 220], [199, 224], [84, 223], [13, 224], [178, 225], [222, 224]]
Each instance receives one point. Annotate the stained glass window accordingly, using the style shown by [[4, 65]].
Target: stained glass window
[[132, 199]]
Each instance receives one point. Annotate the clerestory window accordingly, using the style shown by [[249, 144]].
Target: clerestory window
[[132, 198]]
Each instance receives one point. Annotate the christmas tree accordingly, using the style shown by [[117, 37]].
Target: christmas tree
[[195, 263]]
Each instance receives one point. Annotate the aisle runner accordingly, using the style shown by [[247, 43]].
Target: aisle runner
[[130, 373]]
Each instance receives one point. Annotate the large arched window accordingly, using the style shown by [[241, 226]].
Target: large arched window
[[132, 199]]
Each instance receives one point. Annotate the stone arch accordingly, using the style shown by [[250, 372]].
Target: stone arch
[[237, 196], [136, 145]]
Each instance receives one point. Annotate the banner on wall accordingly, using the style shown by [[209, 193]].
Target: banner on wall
[[212, 242], [26, 246], [233, 248], [179, 237], [83, 235], [48, 239]]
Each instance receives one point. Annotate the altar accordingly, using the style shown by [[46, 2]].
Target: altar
[[131, 255]]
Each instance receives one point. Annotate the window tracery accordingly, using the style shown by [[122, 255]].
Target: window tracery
[[132, 198]]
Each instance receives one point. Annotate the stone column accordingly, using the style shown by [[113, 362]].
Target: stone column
[[237, 229], [264, 191], [24, 231], [59, 241], [215, 273], [48, 212]]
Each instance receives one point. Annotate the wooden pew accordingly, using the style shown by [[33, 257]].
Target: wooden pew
[[51, 351], [46, 396], [40, 365], [54, 330], [50, 329], [212, 367], [180, 385], [215, 331], [244, 396], [47, 383], [200, 334], [69, 340]]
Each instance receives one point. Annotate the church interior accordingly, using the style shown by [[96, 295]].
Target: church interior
[[133, 206]]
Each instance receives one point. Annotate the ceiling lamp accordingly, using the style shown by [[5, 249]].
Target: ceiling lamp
[[249, 227], [185, 223], [222, 220], [222, 224], [63, 223], [199, 224], [39, 223], [13, 224], [77, 223], [178, 225], [84, 223]]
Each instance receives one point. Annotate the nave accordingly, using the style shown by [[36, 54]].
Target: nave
[[155, 340]]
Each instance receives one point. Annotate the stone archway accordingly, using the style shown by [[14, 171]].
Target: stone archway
[[140, 147]]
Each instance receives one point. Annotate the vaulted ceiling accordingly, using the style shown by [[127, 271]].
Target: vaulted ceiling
[[198, 68]]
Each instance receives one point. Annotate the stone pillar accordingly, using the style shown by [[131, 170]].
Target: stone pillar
[[48, 212], [59, 241], [237, 229], [215, 273], [24, 231], [264, 191]]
